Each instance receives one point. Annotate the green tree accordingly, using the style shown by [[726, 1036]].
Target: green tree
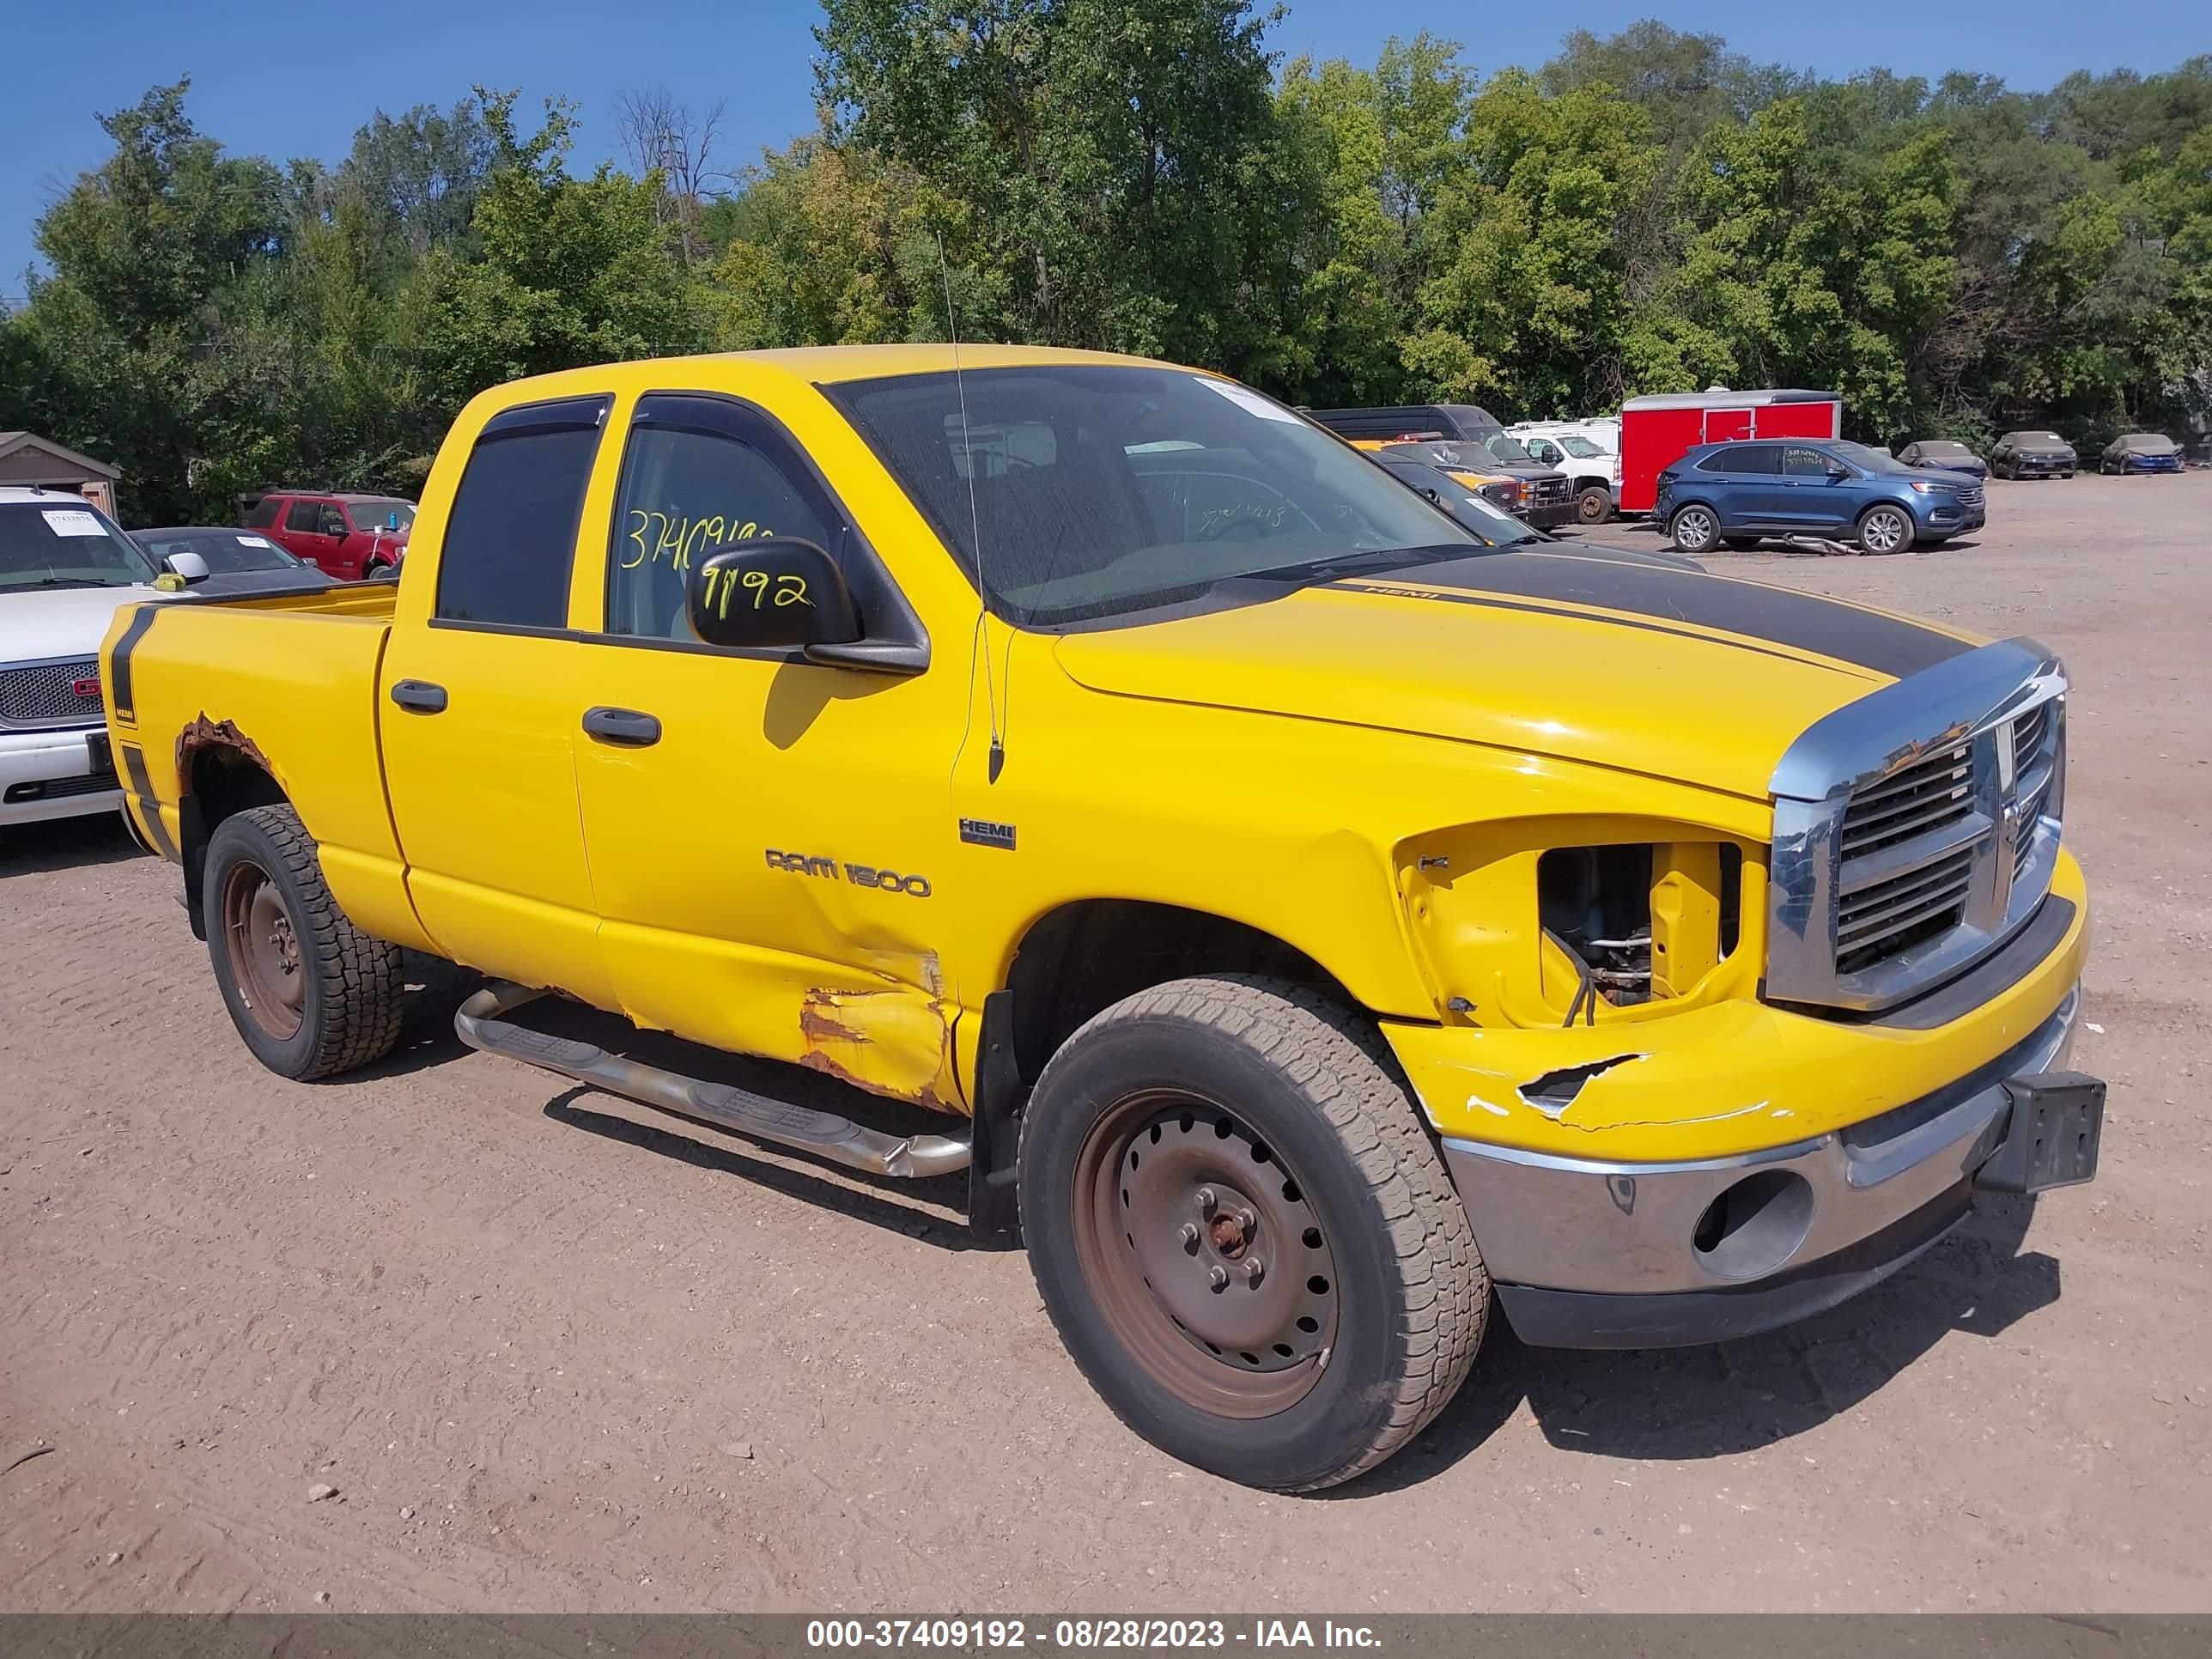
[[571, 271]]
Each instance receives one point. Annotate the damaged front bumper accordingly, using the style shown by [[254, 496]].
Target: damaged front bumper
[[1724, 1170], [1606, 1255]]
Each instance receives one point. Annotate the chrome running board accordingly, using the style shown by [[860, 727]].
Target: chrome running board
[[826, 1135]]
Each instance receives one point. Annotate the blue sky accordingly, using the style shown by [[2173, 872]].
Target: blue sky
[[296, 78]]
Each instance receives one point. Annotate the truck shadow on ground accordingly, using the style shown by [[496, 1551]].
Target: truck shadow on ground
[[1732, 1397], [66, 844]]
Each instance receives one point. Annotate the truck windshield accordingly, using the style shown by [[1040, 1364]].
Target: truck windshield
[[1102, 491], [65, 543], [1576, 446], [1501, 444]]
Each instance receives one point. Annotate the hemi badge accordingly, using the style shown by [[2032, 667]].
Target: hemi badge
[[982, 833]]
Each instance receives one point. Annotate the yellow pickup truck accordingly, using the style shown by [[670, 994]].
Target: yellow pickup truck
[[1315, 926]]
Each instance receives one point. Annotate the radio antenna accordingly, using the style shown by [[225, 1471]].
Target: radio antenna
[[975, 522]]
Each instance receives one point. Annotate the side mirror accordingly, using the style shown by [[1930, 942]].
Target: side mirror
[[186, 566], [1838, 474], [774, 591]]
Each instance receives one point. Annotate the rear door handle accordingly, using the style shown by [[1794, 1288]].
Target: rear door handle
[[419, 695], [626, 726]]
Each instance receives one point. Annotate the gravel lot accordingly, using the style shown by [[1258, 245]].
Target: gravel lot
[[554, 1352]]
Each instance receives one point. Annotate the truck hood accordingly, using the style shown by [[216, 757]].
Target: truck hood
[[60, 621], [1673, 673]]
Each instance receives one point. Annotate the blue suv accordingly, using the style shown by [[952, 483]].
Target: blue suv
[[1736, 493]]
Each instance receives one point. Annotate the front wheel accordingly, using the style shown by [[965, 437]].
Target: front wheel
[[1694, 529], [309, 992], [1244, 1235], [1594, 505], [1885, 530]]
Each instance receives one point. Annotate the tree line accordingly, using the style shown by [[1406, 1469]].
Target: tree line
[[1645, 212]]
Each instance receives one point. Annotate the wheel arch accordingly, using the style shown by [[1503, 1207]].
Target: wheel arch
[[221, 775], [1085, 955]]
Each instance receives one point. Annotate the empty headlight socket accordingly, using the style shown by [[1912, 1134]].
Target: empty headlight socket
[[1647, 920]]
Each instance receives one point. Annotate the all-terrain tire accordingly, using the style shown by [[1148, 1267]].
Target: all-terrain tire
[[347, 988], [1319, 1107]]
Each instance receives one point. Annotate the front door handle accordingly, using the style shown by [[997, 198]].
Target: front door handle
[[626, 726], [419, 695]]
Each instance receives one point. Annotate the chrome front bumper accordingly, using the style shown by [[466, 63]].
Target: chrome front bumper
[[1588, 1254]]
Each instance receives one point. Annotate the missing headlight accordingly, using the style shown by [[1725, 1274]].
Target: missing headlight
[[1641, 920], [1597, 903]]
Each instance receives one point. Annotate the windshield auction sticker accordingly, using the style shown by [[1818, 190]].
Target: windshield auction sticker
[[1250, 401], [73, 521]]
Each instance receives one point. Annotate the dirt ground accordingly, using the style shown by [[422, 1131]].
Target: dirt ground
[[554, 1352]]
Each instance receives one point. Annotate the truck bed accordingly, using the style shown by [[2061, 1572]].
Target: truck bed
[[196, 685]]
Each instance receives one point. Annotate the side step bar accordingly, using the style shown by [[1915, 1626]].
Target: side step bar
[[841, 1140]]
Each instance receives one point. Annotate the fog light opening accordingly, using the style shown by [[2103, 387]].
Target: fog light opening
[[1754, 1226]]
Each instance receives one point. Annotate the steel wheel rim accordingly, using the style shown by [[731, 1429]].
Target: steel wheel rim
[[1593, 509], [1209, 1264], [1882, 533], [264, 947], [1695, 528]]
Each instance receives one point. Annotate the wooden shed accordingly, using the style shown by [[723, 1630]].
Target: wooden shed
[[27, 459]]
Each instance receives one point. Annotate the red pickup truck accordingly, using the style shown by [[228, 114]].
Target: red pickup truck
[[349, 536]]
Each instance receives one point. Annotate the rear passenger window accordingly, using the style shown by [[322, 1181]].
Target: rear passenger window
[[305, 515], [699, 474], [1740, 458], [511, 536]]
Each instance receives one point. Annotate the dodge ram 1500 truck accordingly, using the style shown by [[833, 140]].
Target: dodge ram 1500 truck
[[1317, 926]]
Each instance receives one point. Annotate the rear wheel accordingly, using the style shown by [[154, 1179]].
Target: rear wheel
[[309, 992], [1694, 529], [1594, 505], [1885, 530], [1244, 1235]]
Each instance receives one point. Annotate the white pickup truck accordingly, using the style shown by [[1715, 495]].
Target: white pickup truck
[[1586, 453], [64, 567]]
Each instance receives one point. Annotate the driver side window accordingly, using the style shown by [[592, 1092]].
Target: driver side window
[[684, 493], [1805, 462]]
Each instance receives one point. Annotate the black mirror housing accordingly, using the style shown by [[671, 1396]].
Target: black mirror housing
[[773, 592]]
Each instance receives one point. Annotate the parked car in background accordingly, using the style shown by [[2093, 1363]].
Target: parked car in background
[[1945, 456], [1547, 499], [1738, 494], [2141, 451], [64, 567], [349, 536], [1469, 467], [1593, 472], [235, 560], [1496, 527], [2033, 455]]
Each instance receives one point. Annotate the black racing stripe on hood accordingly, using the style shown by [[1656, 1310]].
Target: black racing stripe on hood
[[1804, 622]]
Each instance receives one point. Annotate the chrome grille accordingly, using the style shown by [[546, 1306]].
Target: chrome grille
[[1880, 920], [1544, 491], [45, 693], [1927, 796], [1917, 829], [1970, 496]]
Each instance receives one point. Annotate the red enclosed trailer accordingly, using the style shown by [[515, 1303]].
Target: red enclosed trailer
[[1657, 431]]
